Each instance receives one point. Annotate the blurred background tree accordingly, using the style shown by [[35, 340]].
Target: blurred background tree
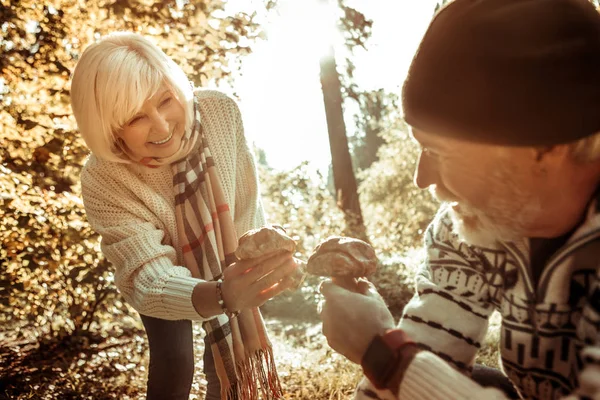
[[355, 28], [402, 212]]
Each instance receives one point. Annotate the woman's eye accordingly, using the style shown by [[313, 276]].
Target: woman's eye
[[166, 102], [134, 120]]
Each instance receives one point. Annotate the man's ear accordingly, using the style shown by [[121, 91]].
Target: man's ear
[[551, 154]]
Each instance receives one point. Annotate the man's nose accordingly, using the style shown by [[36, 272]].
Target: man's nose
[[426, 173]]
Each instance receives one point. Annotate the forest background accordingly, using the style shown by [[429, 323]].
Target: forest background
[[65, 332]]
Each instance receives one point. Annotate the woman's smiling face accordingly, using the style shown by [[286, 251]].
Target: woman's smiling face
[[157, 129]]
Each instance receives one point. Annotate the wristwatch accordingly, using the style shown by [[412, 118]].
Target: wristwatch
[[384, 356]]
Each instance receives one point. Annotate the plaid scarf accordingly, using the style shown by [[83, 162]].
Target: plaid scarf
[[242, 351]]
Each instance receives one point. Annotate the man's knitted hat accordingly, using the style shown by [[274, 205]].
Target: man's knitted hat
[[510, 72]]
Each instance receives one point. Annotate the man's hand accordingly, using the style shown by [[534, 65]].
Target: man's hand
[[352, 319]]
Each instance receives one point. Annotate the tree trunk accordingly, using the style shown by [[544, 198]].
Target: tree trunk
[[343, 173]]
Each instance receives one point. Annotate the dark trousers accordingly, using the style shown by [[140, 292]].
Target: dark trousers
[[171, 368], [487, 376]]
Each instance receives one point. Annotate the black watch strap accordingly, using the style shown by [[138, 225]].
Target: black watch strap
[[383, 356]]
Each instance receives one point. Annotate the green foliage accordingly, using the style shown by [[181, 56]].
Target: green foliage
[[377, 110], [355, 27], [53, 275], [397, 212], [300, 201]]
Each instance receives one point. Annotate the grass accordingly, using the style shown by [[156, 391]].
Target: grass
[[115, 366]]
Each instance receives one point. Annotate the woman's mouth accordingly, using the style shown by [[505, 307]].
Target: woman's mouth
[[165, 140]]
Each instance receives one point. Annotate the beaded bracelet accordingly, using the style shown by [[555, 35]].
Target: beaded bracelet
[[226, 311]]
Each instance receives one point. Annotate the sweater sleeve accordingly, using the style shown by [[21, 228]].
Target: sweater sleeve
[[449, 312], [249, 213], [133, 240], [430, 378]]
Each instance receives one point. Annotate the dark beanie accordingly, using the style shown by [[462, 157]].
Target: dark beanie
[[509, 72]]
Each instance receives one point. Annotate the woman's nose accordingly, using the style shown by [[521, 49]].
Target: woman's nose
[[160, 123], [426, 173]]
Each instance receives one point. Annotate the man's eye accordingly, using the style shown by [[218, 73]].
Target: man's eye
[[428, 152]]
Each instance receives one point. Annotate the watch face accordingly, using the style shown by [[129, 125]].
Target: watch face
[[378, 362]]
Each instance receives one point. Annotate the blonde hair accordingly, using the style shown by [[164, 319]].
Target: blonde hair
[[587, 149], [110, 83]]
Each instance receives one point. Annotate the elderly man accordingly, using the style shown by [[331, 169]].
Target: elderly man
[[504, 99]]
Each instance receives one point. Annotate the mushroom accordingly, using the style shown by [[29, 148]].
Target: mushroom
[[343, 259], [261, 241], [269, 239]]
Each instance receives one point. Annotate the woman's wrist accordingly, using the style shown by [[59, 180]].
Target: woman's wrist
[[204, 299], [225, 307]]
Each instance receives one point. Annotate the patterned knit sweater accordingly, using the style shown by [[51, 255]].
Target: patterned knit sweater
[[550, 334], [133, 208]]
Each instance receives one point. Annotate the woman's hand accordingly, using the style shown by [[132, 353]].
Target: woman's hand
[[250, 283], [351, 319]]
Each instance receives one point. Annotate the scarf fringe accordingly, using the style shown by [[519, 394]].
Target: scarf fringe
[[258, 376]]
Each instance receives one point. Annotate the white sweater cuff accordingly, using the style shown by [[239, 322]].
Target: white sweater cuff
[[428, 377], [177, 297]]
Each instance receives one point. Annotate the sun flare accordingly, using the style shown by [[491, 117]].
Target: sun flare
[[279, 84], [307, 28]]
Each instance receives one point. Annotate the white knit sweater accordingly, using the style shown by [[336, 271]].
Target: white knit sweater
[[132, 207]]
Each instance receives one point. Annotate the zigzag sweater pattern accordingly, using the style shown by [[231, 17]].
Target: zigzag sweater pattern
[[550, 334]]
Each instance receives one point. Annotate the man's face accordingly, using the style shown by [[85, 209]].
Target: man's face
[[493, 191]]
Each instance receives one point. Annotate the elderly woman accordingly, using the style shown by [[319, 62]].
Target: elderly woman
[[170, 185]]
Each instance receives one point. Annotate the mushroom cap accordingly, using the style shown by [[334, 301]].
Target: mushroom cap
[[339, 256], [265, 240]]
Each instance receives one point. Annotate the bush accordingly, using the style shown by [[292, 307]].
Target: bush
[[299, 201], [396, 212], [54, 276]]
